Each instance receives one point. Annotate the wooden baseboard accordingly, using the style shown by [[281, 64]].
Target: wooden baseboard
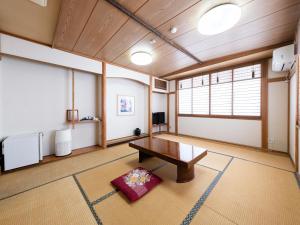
[[123, 140]]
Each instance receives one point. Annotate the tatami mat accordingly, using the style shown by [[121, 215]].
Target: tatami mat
[[250, 193], [18, 181], [96, 182], [207, 216], [168, 203], [215, 161], [271, 159], [58, 203]]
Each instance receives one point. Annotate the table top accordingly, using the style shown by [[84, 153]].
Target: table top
[[174, 152]]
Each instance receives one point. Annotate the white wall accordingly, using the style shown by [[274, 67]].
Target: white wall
[[293, 105], [278, 116], [159, 104], [245, 132], [35, 97], [123, 126], [1, 99], [172, 109], [278, 111]]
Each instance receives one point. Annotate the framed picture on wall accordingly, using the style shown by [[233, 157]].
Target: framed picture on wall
[[125, 105]]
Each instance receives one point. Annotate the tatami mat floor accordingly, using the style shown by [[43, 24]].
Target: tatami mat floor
[[232, 185]]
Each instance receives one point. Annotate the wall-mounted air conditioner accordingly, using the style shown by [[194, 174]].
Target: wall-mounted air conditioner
[[283, 58]]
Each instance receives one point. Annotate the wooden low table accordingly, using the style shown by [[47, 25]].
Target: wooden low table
[[183, 155]]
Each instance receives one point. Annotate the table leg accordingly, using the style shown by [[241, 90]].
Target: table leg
[[185, 174], [143, 156]]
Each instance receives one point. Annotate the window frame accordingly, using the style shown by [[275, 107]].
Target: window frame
[[244, 117]]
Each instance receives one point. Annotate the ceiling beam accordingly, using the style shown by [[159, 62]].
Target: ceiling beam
[[211, 62], [152, 29]]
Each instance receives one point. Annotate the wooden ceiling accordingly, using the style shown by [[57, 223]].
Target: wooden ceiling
[[97, 29]]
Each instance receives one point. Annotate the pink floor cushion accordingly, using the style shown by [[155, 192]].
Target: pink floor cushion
[[136, 183]]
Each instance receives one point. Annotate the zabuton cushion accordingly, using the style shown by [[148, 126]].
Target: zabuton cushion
[[136, 183]]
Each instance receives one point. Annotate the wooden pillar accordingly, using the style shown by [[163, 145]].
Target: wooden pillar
[[103, 106], [168, 112], [264, 106], [176, 108], [150, 108]]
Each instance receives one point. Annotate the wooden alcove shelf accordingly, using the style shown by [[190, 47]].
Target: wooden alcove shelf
[[125, 139]]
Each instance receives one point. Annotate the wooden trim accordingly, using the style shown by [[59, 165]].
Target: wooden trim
[[168, 112], [289, 105], [225, 58], [277, 79], [98, 129], [158, 92], [222, 116], [264, 105], [172, 92], [150, 107], [176, 107], [103, 105], [297, 117]]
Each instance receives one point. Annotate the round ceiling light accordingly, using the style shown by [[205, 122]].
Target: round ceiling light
[[219, 19], [141, 58]]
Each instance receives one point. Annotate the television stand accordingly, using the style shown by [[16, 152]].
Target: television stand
[[159, 126]]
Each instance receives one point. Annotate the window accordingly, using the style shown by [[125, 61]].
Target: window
[[235, 92]]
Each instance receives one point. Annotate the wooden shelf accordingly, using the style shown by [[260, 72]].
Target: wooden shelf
[[125, 139], [84, 121]]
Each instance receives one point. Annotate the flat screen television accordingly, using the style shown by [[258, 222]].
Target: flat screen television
[[158, 117]]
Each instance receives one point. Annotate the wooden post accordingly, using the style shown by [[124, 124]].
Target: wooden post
[[73, 99], [150, 107], [103, 105], [168, 112], [176, 108], [264, 106]]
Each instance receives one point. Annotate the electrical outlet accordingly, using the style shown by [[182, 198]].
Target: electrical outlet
[[271, 141]]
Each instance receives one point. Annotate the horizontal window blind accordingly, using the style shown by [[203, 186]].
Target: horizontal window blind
[[247, 91], [221, 93], [234, 92]]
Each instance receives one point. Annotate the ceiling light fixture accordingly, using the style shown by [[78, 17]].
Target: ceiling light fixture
[[141, 58], [152, 41], [219, 19], [173, 30]]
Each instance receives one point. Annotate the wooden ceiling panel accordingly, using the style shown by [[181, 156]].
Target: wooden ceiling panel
[[156, 12], [122, 39], [74, 14], [132, 5], [275, 36], [104, 22], [142, 45], [285, 17]]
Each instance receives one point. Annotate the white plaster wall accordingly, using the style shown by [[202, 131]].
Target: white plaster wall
[[29, 50], [246, 132], [278, 116], [159, 104], [293, 105], [172, 113], [123, 126], [1, 99], [172, 86], [35, 97]]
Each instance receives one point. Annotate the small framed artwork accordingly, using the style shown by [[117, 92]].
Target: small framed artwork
[[69, 115], [125, 105]]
